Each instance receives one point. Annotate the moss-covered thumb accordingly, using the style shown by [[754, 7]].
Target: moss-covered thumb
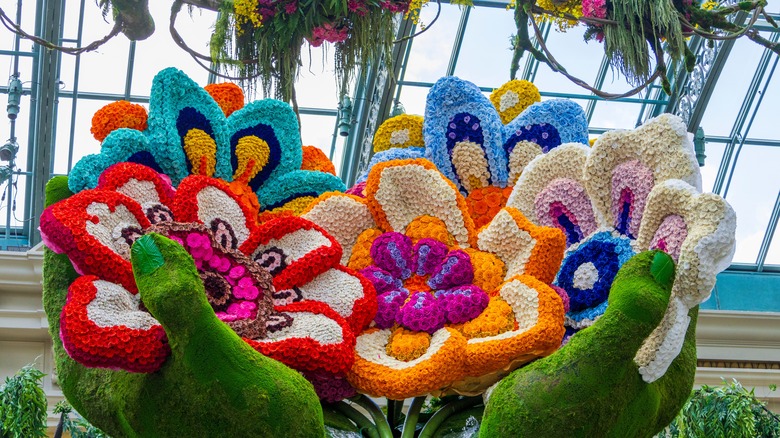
[[169, 284]]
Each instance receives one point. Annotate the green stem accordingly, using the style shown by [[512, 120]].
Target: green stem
[[382, 426], [445, 412], [410, 425], [363, 423], [394, 410]]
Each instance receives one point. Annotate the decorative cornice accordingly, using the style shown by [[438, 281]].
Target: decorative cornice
[[738, 336], [21, 271]]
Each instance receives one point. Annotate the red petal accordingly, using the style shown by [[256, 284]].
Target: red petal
[[318, 340], [308, 250], [89, 228], [101, 326], [206, 200]]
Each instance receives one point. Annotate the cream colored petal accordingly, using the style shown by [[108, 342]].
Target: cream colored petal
[[564, 162], [504, 238], [661, 144], [408, 190], [344, 217]]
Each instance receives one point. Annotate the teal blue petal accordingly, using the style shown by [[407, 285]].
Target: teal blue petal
[[275, 123], [177, 105], [119, 146], [296, 184]]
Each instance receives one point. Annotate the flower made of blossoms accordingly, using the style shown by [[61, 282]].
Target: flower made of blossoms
[[483, 146], [188, 133], [458, 308], [279, 285], [632, 191]]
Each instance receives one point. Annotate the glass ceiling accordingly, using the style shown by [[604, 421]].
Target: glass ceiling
[[737, 107]]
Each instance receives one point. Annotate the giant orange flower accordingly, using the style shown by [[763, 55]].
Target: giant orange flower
[[458, 307]]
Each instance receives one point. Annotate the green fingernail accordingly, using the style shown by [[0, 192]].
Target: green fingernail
[[146, 256], [662, 268]]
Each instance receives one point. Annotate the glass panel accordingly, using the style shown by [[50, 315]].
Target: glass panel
[[765, 123], [316, 86], [159, 51], [62, 138], [753, 195], [729, 92], [486, 43], [103, 70], [318, 131], [773, 255], [16, 203], [413, 99], [714, 153], [430, 53], [614, 115], [579, 58]]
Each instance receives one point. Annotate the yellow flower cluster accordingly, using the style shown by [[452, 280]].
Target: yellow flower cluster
[[414, 10], [361, 252], [246, 12], [252, 154], [400, 131], [514, 97], [497, 318], [429, 227], [407, 345], [709, 5], [201, 151], [573, 7]]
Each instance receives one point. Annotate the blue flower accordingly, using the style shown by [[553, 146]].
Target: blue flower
[[588, 270]]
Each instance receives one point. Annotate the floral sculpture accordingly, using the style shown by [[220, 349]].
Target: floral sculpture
[[206, 258]]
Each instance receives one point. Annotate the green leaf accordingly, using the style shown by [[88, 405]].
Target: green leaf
[[146, 255], [662, 269]]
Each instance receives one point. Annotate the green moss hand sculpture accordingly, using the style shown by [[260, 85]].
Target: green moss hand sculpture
[[229, 389], [578, 392]]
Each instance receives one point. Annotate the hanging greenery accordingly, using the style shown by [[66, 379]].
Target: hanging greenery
[[264, 38], [637, 34]]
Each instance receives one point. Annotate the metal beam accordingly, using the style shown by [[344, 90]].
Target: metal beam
[[598, 83], [45, 109], [464, 20], [770, 232], [727, 165], [712, 77]]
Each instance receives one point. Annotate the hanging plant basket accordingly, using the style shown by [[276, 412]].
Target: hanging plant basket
[[264, 39]]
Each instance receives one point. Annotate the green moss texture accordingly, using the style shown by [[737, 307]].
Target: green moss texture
[[591, 387], [212, 385]]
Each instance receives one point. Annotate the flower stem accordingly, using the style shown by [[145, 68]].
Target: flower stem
[[363, 423], [445, 412], [382, 426], [410, 425]]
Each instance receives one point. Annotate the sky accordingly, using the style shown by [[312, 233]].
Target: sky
[[484, 59]]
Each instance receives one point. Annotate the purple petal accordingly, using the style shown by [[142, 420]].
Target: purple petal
[[382, 280], [455, 270], [463, 303], [422, 313], [389, 303], [428, 254], [393, 253]]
